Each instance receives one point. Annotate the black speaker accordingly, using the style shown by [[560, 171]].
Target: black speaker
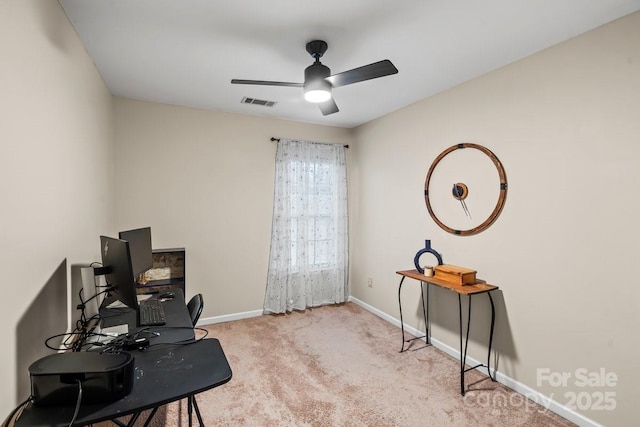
[[56, 379]]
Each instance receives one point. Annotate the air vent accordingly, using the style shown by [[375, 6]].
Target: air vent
[[254, 101]]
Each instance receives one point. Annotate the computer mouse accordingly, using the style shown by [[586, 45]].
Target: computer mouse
[[167, 295]]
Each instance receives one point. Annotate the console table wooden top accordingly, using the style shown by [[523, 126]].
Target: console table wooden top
[[479, 287]]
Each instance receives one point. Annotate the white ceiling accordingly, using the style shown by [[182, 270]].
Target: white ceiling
[[185, 52]]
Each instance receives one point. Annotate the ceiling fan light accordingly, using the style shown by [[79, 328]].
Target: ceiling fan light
[[317, 95], [317, 90]]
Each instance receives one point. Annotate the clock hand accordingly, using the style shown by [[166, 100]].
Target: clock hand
[[456, 191], [466, 209]]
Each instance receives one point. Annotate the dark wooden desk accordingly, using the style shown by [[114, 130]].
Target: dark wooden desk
[[480, 287], [164, 372]]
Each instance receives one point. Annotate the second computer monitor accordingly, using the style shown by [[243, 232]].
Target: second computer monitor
[[140, 248]]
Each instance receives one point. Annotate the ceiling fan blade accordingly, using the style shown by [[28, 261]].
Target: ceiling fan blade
[[360, 74], [328, 107], [265, 83]]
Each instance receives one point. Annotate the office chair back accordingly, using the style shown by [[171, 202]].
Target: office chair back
[[195, 305]]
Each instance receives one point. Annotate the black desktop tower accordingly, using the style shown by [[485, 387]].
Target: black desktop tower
[[103, 377]]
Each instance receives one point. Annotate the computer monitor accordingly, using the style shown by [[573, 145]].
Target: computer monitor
[[140, 249], [116, 257]]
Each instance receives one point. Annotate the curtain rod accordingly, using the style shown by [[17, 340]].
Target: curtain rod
[[278, 140]]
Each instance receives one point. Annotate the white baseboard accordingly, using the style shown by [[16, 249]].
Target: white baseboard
[[229, 317], [515, 385]]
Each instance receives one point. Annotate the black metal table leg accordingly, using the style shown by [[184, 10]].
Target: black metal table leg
[[461, 358], [426, 313], [493, 322], [424, 309], [401, 320], [133, 419], [463, 350], [194, 404], [150, 417]]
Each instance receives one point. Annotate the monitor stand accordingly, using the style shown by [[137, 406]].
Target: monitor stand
[[91, 286]]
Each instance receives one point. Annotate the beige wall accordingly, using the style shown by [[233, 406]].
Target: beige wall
[[566, 125], [204, 180], [56, 134]]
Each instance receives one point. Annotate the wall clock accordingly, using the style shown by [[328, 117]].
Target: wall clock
[[465, 189]]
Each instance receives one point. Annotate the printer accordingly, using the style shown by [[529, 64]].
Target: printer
[[103, 377]]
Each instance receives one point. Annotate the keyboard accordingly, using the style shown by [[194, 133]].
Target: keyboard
[[151, 313]]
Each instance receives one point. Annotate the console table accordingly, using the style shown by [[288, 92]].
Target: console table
[[480, 287]]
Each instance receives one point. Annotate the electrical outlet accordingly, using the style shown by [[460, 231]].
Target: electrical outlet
[[370, 282]]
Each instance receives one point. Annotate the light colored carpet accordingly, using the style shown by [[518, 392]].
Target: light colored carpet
[[340, 366]]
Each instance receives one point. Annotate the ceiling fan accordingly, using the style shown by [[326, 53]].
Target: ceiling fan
[[318, 80]]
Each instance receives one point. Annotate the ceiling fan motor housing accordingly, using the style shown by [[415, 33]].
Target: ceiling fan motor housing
[[316, 72]]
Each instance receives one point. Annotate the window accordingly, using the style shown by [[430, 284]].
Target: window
[[313, 211]]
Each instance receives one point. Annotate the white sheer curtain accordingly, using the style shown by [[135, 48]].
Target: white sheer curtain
[[308, 263]]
